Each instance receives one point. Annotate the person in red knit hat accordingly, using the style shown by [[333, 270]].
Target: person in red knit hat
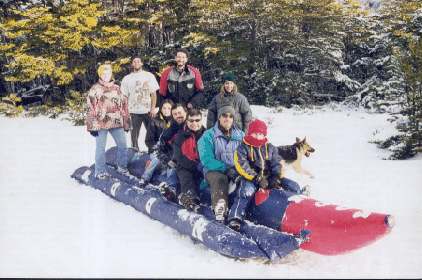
[[258, 163]]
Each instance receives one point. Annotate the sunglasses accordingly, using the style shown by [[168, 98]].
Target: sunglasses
[[194, 120], [226, 115]]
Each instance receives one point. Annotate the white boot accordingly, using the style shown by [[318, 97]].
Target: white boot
[[220, 210]]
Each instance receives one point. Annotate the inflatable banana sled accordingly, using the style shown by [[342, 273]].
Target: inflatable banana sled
[[276, 219]]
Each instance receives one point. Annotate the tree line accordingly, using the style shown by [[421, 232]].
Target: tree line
[[283, 52]]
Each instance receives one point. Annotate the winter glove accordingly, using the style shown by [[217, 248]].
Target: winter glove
[[232, 174], [154, 150], [261, 181], [164, 159], [94, 133], [274, 183], [171, 164]]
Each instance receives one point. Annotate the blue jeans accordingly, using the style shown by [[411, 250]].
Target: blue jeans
[[244, 194], [171, 179], [149, 170], [119, 137]]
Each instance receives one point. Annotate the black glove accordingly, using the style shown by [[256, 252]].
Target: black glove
[[154, 150], [94, 133], [261, 181], [171, 164], [232, 174], [275, 183], [164, 159]]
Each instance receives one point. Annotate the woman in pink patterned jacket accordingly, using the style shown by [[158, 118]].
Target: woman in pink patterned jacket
[[107, 112]]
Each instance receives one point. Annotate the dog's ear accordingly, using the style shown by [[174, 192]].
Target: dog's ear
[[304, 140], [297, 140]]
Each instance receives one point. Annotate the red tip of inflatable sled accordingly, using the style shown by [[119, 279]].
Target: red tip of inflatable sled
[[334, 229], [261, 196]]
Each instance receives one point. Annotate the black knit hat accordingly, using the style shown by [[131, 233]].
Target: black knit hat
[[229, 76]]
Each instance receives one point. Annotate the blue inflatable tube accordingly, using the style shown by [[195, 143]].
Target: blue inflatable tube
[[253, 242]]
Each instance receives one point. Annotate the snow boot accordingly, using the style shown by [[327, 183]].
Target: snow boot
[[189, 202], [123, 171], [167, 192], [235, 224], [102, 176], [220, 210], [142, 183]]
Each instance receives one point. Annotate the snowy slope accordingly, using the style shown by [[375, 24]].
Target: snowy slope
[[51, 226]]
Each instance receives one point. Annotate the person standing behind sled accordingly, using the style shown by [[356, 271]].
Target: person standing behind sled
[[107, 113], [157, 125], [140, 87], [216, 149], [258, 164], [229, 95], [182, 83], [188, 166]]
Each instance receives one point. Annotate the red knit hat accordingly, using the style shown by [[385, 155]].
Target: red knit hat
[[256, 126]]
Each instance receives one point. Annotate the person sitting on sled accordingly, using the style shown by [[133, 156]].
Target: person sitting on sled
[[188, 166], [157, 125], [258, 163], [162, 155], [216, 149]]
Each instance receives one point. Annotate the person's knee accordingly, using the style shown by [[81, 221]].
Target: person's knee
[[217, 179], [247, 189]]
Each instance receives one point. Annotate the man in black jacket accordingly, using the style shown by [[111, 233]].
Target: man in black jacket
[[188, 166]]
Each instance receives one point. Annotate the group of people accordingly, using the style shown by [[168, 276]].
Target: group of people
[[232, 150]]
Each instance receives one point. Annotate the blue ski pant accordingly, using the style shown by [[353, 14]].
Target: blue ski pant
[[245, 193]]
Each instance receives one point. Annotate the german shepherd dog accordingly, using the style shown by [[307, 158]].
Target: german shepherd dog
[[292, 155]]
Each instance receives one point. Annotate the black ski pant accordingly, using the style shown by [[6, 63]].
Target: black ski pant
[[219, 184], [189, 181], [137, 121]]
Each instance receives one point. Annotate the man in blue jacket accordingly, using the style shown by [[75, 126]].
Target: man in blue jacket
[[216, 148]]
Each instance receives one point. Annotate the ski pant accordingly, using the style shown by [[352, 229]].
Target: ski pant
[[119, 137], [219, 184], [137, 121], [290, 185], [189, 181], [244, 195]]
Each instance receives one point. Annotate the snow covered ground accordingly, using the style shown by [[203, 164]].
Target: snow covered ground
[[51, 226]]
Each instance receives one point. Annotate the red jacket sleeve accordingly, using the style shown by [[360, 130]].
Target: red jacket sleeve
[[199, 85], [164, 81]]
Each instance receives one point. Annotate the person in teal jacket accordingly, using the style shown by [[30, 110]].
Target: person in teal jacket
[[216, 149]]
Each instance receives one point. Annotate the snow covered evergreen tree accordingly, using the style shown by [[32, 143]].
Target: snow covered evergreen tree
[[372, 63], [406, 32]]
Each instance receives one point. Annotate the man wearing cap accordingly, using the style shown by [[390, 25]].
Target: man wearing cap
[[216, 148], [229, 95]]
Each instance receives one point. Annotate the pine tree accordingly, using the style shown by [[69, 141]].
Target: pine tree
[[405, 26], [61, 43]]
